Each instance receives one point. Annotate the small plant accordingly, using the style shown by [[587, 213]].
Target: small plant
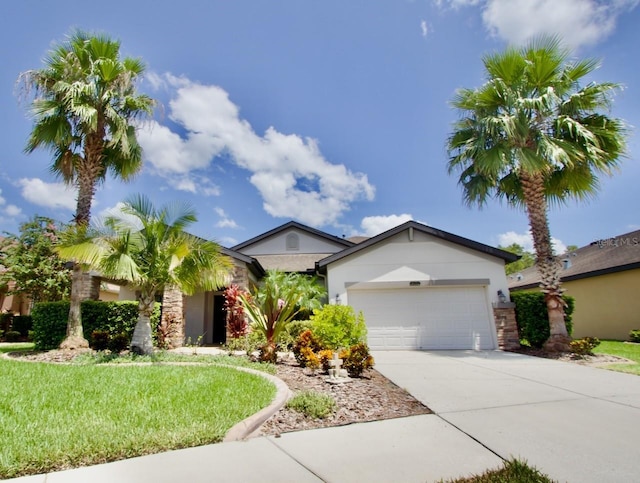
[[634, 335], [166, 331], [194, 344], [357, 359], [584, 346], [313, 404], [309, 359], [236, 321], [306, 340], [325, 356], [99, 340]]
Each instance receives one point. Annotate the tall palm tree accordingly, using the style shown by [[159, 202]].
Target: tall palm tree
[[532, 135], [84, 108], [149, 248]]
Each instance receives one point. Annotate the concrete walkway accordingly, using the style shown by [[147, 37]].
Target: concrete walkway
[[574, 423]]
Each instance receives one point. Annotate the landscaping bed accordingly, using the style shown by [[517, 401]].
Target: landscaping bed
[[369, 398]]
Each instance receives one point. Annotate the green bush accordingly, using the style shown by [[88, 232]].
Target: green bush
[[533, 319], [12, 336], [22, 324], [116, 318], [584, 346], [313, 404], [356, 359], [634, 335], [337, 326], [118, 342], [6, 320], [49, 324]]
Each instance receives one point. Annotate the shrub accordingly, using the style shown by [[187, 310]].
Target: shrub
[[356, 359], [50, 320], [338, 326], [533, 319], [119, 342], [22, 324], [309, 359], [6, 320], [584, 346], [634, 335], [312, 404], [99, 340], [306, 340], [12, 336]]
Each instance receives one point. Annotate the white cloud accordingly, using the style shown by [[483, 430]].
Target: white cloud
[[423, 28], [51, 195], [374, 225], [225, 221], [289, 171], [577, 22], [525, 240], [12, 210], [2, 200]]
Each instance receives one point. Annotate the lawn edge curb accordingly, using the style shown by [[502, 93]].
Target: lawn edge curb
[[245, 428]]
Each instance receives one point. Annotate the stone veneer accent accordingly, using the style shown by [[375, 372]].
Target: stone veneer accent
[[504, 314], [90, 287]]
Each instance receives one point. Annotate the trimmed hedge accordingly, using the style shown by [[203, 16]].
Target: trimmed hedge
[[115, 318], [533, 319]]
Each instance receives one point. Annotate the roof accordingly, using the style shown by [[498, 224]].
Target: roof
[[443, 235], [288, 226], [254, 265], [304, 262], [600, 257]]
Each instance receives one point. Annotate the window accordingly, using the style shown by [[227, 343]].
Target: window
[[293, 242]]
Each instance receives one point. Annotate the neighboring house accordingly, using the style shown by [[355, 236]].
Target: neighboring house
[[418, 287], [604, 279]]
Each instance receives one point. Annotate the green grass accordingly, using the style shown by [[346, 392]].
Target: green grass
[[15, 346], [621, 349], [313, 404], [513, 471], [55, 416]]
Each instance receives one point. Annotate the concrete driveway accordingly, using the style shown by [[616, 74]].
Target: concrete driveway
[[574, 423]]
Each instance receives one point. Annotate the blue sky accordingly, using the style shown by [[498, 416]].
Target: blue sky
[[334, 113]]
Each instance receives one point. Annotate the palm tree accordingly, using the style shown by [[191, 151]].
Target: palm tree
[[149, 248], [531, 135], [84, 109], [278, 299]]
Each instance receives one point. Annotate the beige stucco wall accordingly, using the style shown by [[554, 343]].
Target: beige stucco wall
[[607, 306]]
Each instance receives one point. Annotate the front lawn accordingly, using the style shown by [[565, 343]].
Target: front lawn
[[55, 416], [621, 349]]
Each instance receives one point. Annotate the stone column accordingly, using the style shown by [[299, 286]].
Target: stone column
[[504, 314]]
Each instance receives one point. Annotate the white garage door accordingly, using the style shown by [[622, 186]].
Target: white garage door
[[425, 318]]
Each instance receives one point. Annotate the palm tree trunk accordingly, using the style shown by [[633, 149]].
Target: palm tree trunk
[[173, 317], [75, 336], [536, 205], [142, 343]]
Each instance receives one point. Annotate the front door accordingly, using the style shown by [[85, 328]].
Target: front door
[[219, 320]]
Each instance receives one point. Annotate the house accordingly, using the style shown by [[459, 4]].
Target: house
[[604, 279], [417, 286]]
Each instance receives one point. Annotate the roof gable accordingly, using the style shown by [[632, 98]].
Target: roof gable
[[414, 225], [335, 242]]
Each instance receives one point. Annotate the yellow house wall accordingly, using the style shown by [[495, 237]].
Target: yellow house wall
[[607, 306]]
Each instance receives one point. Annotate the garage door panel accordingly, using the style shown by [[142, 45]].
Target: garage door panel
[[426, 318]]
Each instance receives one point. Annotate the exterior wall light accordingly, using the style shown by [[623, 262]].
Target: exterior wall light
[[502, 297]]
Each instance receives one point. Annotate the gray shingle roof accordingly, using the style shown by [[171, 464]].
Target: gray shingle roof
[[598, 258]]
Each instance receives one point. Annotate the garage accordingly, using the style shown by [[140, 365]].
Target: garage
[[426, 318]]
